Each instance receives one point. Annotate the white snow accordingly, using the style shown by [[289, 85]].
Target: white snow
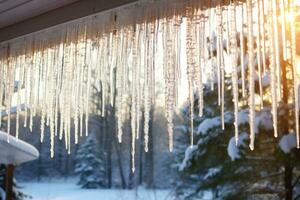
[[2, 194], [266, 80], [243, 117], [288, 142], [212, 172], [208, 124], [61, 190], [15, 151], [263, 119], [188, 155], [233, 149]]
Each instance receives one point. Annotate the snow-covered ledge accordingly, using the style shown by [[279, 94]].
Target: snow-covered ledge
[[15, 151]]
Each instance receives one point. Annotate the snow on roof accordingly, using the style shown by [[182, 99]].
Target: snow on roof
[[15, 151], [288, 142], [233, 149]]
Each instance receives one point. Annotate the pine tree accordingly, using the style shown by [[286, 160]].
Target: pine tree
[[90, 164], [232, 171]]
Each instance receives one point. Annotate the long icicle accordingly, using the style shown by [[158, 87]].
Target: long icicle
[[258, 51], [242, 52], [190, 44], [219, 49], [251, 73], [234, 56], [283, 28], [273, 72], [263, 37], [295, 75], [276, 45]]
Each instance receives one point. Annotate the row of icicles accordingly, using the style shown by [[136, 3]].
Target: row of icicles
[[55, 81]]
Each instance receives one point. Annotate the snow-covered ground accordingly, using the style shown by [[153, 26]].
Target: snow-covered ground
[[61, 190]]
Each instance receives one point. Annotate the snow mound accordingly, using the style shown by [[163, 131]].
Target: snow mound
[[288, 142], [233, 149]]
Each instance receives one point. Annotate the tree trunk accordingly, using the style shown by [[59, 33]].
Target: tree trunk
[[9, 182], [288, 177]]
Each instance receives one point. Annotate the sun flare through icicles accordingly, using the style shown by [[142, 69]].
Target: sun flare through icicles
[[52, 73]]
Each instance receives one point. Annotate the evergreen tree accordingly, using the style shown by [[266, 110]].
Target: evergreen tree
[[90, 164], [232, 171]]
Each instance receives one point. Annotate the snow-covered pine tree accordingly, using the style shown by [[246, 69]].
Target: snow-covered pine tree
[[232, 171], [90, 164], [208, 157]]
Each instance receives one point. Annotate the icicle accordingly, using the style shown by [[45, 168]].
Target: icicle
[[234, 56], [211, 49], [276, 44], [134, 96], [251, 73], [283, 28], [120, 91], [202, 49], [262, 30], [227, 30], [190, 53], [242, 55], [88, 98], [133, 152], [258, 51], [21, 77], [149, 56], [273, 76], [222, 69], [2, 84], [295, 75], [219, 50], [10, 89]]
